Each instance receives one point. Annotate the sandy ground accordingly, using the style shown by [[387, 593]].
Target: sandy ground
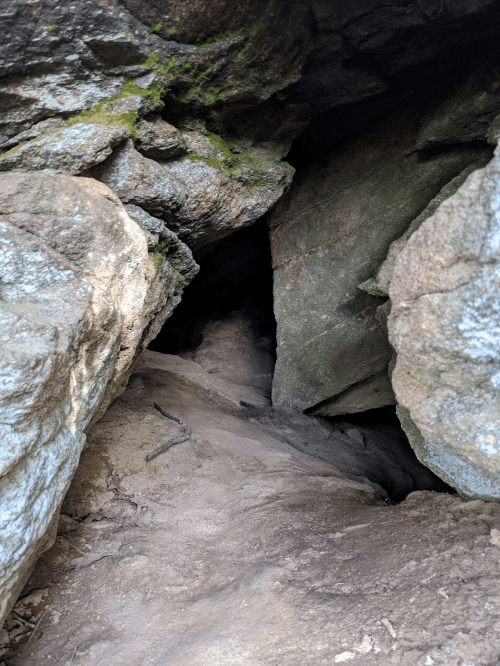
[[235, 548]]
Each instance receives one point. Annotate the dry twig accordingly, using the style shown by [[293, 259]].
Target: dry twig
[[166, 414], [175, 440], [38, 624]]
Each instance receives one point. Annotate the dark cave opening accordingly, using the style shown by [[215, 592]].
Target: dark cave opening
[[225, 322]]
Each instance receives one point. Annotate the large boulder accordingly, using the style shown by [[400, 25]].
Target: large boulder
[[78, 293], [445, 326], [203, 196], [329, 234]]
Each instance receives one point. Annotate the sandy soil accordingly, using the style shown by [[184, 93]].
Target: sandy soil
[[235, 548]]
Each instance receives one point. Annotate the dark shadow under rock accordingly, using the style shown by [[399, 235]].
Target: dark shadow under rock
[[370, 446]]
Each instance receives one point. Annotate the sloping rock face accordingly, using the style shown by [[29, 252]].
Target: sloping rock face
[[329, 234], [445, 324], [78, 294]]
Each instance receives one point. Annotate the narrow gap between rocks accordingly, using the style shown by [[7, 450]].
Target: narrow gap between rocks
[[225, 323]]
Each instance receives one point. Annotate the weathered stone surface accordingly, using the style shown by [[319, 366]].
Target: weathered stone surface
[[204, 196], [142, 182], [331, 233], [163, 241], [34, 132], [375, 453], [73, 149], [467, 114], [210, 389], [28, 100], [175, 268], [376, 391], [158, 139], [445, 324], [94, 49], [216, 58], [78, 291], [379, 285]]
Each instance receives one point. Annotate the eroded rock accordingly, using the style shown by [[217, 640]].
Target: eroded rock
[[203, 196], [467, 114], [158, 139], [379, 285], [78, 291], [73, 149], [374, 392], [445, 324], [329, 234]]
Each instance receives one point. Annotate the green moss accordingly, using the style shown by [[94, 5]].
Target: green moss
[[222, 37], [171, 31], [211, 161], [222, 145], [255, 29], [130, 88], [252, 33], [153, 62], [98, 114], [187, 67], [166, 248], [11, 151], [156, 27], [259, 182], [157, 260], [167, 69], [51, 26], [196, 89], [124, 383]]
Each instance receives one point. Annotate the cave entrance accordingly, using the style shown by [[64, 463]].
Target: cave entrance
[[225, 323]]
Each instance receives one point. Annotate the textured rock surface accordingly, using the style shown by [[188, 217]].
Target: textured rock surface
[[72, 149], [78, 291], [329, 234], [158, 139], [374, 392], [203, 196], [445, 324], [218, 56], [379, 285], [467, 114]]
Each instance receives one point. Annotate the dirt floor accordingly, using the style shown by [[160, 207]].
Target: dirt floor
[[235, 548]]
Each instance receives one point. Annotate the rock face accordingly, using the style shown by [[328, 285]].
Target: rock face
[[328, 235], [467, 114], [379, 285], [78, 293], [445, 324], [374, 392], [203, 196], [73, 149]]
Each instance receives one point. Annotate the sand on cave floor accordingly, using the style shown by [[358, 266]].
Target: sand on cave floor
[[235, 548]]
